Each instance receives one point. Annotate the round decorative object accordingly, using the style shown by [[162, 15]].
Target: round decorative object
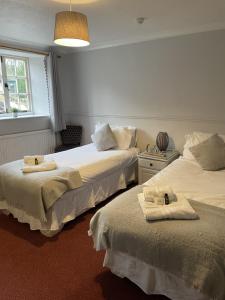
[[162, 141]]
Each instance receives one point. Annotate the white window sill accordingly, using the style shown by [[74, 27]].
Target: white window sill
[[22, 117]]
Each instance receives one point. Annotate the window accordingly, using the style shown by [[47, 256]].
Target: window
[[15, 91]]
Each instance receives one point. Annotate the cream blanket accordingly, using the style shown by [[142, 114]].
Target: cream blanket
[[35, 193], [193, 250]]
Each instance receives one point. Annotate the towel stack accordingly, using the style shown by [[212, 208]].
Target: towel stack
[[159, 195], [33, 160], [158, 202], [36, 163]]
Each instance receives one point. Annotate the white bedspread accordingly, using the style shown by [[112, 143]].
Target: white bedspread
[[187, 178], [103, 173], [92, 163]]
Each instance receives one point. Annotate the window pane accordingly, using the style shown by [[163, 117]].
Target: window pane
[[20, 68], [1, 81], [24, 103], [1, 86], [18, 85], [22, 87], [10, 67], [2, 104], [12, 86], [14, 101]]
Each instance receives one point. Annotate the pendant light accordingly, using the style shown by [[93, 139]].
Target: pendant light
[[71, 29]]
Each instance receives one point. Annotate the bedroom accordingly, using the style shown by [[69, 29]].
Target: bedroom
[[151, 66]]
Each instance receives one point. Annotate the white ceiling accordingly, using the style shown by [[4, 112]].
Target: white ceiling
[[111, 22]]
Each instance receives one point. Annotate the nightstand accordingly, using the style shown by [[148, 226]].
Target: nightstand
[[150, 164]]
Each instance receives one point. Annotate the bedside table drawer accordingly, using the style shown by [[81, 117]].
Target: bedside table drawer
[[145, 174], [152, 164]]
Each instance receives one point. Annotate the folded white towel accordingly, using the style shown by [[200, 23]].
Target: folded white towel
[[44, 166], [181, 209], [157, 194], [32, 159]]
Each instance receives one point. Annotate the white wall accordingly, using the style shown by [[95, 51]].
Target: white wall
[[173, 84], [16, 146], [26, 124]]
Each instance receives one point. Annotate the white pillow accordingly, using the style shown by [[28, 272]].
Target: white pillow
[[103, 138], [125, 135], [210, 154], [194, 139], [99, 125], [133, 131]]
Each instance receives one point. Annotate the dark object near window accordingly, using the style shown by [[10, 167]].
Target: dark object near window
[[71, 138]]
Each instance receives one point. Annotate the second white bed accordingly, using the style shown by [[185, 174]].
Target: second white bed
[[187, 178]]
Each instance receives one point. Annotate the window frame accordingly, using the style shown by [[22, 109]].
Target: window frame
[[3, 57]]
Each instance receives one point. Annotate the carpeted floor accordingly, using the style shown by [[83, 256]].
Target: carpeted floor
[[66, 267]]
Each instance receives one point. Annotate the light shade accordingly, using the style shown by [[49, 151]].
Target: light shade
[[71, 29]]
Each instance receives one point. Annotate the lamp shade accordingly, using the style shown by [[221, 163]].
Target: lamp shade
[[71, 29]]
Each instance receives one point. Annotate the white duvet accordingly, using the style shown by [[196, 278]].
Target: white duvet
[[93, 164], [186, 177], [103, 173]]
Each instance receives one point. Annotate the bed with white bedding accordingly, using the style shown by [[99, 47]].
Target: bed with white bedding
[[182, 259], [102, 172]]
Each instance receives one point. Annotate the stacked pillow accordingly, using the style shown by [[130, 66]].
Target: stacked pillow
[[207, 149], [117, 137], [103, 138]]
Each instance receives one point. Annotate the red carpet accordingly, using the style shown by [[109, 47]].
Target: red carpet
[[62, 268]]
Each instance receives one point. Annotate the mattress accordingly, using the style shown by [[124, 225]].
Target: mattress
[[120, 229], [103, 173]]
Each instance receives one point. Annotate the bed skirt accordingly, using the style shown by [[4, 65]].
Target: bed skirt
[[150, 279], [75, 202]]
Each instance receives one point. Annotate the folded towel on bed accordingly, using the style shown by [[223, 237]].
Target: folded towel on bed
[[157, 194], [35, 193], [181, 209], [33, 159], [42, 167]]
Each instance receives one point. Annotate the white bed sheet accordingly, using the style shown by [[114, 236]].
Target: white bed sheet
[[93, 164], [185, 177], [150, 279], [103, 174]]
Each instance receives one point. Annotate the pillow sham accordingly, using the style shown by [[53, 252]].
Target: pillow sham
[[103, 138], [125, 135], [210, 154], [194, 139]]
